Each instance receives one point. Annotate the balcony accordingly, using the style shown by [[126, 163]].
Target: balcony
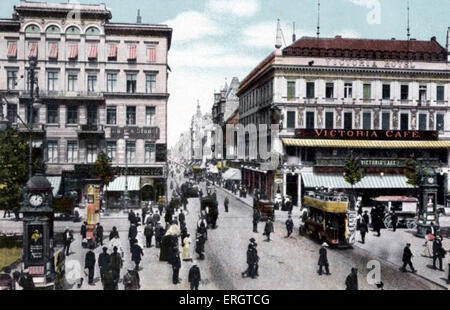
[[91, 132], [65, 96], [37, 130]]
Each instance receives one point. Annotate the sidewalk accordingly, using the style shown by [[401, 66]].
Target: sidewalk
[[388, 247]]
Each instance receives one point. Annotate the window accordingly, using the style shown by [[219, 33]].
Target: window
[[91, 152], [131, 152], [52, 114], [112, 52], [150, 83], [12, 49], [93, 51], [348, 90], [12, 79], [151, 51], [386, 121], [404, 92], [404, 121], [440, 122], [131, 115], [92, 31], [150, 151], [310, 120], [291, 90], [92, 83], [11, 113], [329, 90], [386, 91], [111, 149], [329, 120], [440, 93], [72, 115], [422, 94], [52, 151], [92, 115], [72, 79], [422, 122], [131, 83], [348, 120], [290, 119], [367, 92], [367, 120], [149, 116], [111, 113], [132, 52], [72, 151], [52, 81], [73, 30], [310, 90], [111, 82]]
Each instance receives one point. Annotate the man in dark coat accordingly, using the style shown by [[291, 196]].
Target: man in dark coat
[[289, 226], [99, 234], [256, 218], [363, 229], [67, 239], [108, 281], [159, 233], [351, 282], [89, 264], [225, 203], [194, 277], [268, 229], [26, 281], [103, 263], [181, 217], [131, 217], [438, 252], [407, 256], [114, 233], [394, 219], [136, 254], [200, 246], [176, 265], [132, 234], [148, 233], [115, 261], [366, 217], [83, 231], [323, 260]]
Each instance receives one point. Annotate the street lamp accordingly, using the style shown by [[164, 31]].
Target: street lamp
[[126, 195]]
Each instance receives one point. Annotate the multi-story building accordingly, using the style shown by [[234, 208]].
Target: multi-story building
[[103, 86], [384, 101], [199, 136]]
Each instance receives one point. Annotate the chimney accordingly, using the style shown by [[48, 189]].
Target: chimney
[[139, 18], [294, 38]]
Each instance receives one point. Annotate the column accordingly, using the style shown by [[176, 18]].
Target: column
[[284, 183], [299, 191]]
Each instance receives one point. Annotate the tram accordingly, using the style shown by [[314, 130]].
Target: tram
[[329, 218]]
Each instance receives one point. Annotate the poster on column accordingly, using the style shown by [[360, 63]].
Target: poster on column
[[35, 242]]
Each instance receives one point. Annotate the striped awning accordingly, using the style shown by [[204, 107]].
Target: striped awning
[[53, 51], [152, 54], [112, 51], [313, 180], [93, 51], [73, 53], [118, 185], [12, 49], [56, 184], [369, 144], [132, 52], [33, 50]]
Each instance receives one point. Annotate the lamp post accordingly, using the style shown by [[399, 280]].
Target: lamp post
[[126, 195]]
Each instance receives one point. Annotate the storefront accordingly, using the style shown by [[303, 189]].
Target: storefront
[[257, 179]]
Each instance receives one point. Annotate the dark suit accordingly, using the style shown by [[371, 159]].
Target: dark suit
[[89, 263]]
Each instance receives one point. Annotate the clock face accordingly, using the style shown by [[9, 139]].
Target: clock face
[[36, 200], [430, 180]]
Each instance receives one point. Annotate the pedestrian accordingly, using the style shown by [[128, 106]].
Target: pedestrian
[[185, 253], [131, 279], [132, 234], [351, 282], [289, 226], [83, 231], [176, 265], [323, 260], [7, 211], [256, 218], [136, 254], [116, 263], [438, 252], [114, 233], [194, 277], [67, 239], [108, 281], [366, 218], [181, 217], [26, 280], [394, 220], [407, 256], [268, 229], [225, 203], [200, 246], [103, 263], [99, 234], [363, 229], [89, 264], [131, 217], [6, 280], [148, 233]]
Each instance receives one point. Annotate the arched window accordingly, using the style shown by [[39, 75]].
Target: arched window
[[92, 31], [72, 30], [32, 29], [52, 29]]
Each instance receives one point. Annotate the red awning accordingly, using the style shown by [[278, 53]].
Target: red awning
[[112, 51], [53, 51], [73, 51], [33, 50], [12, 49], [93, 51], [132, 52], [152, 54]]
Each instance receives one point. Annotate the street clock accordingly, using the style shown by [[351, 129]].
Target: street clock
[[36, 200]]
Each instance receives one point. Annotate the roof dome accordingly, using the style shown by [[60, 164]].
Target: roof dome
[[38, 181]]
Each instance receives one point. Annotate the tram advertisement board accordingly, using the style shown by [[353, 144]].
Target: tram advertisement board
[[361, 134], [35, 242]]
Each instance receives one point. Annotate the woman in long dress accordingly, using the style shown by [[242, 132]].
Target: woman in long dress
[[185, 256]]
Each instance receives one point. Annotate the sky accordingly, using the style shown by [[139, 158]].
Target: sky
[[215, 40]]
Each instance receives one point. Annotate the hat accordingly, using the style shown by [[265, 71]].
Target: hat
[[252, 240], [324, 244]]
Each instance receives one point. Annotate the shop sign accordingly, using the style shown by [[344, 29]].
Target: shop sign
[[359, 134], [140, 171], [148, 133], [388, 163]]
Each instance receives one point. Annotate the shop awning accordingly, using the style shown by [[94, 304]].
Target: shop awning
[[212, 169], [313, 180], [118, 185], [232, 174], [56, 184], [370, 144]]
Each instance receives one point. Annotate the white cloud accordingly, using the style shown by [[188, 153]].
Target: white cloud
[[241, 8], [192, 25]]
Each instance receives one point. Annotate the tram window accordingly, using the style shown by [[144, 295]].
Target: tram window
[[396, 206]]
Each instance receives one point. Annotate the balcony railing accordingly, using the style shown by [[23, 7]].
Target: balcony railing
[[90, 131]]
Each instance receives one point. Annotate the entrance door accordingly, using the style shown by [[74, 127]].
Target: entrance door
[[292, 187]]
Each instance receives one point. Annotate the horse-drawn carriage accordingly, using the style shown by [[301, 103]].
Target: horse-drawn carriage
[[209, 207], [266, 210], [404, 207]]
